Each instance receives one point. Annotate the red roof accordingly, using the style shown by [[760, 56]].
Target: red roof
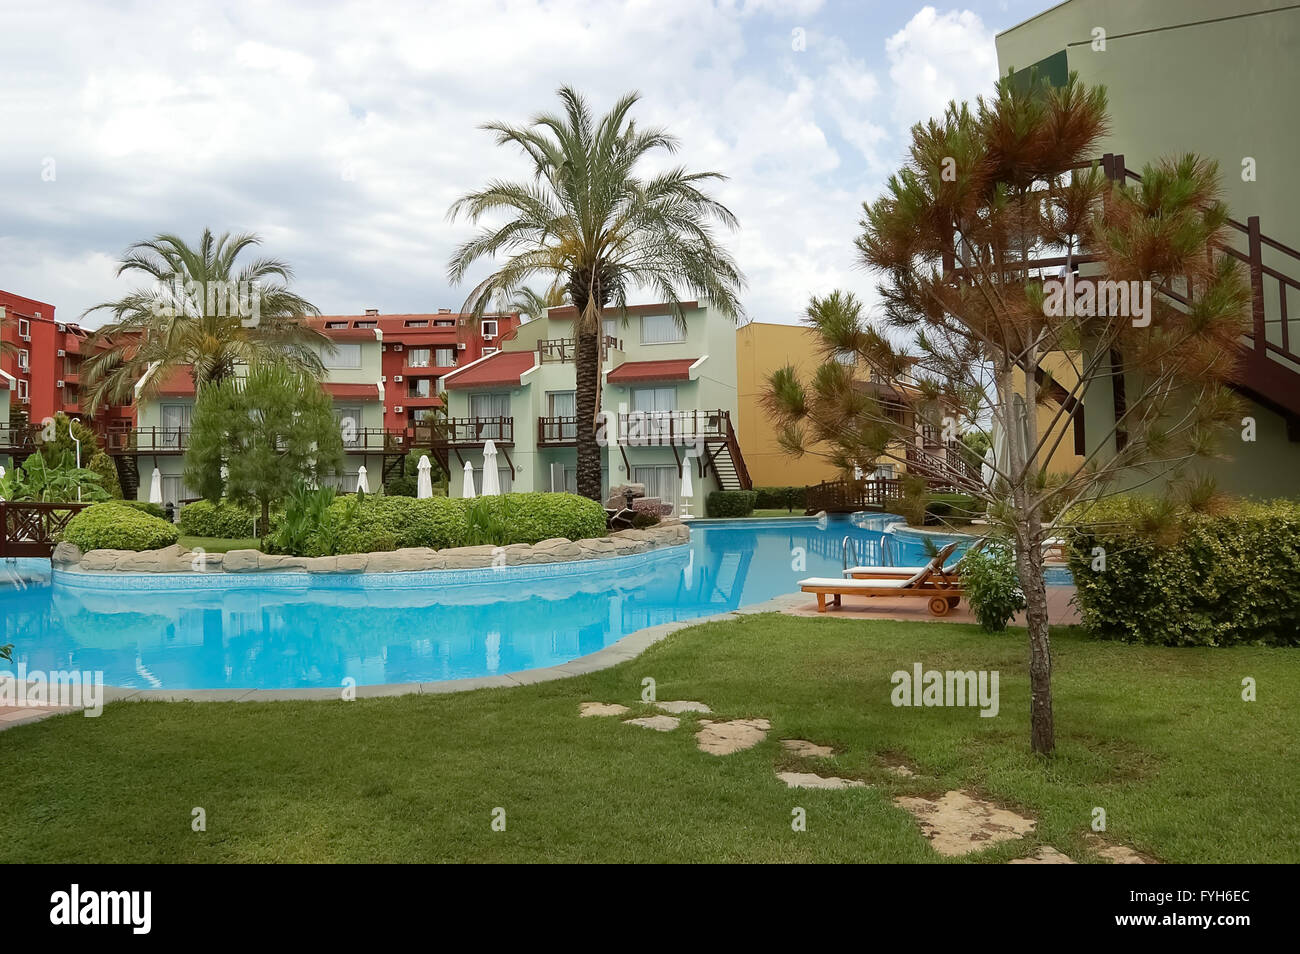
[[504, 367], [369, 392], [677, 369], [4, 382], [179, 382]]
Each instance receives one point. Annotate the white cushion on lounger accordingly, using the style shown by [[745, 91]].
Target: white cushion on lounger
[[832, 583], [894, 570]]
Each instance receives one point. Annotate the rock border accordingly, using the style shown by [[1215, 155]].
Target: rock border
[[174, 560]]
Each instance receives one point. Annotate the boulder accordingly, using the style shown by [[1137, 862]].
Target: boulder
[[242, 561], [353, 562], [101, 560], [66, 554], [325, 564], [468, 558]]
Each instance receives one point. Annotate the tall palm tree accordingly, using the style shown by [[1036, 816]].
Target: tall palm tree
[[589, 219], [186, 319]]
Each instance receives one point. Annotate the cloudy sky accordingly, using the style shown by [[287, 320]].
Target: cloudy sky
[[342, 132]]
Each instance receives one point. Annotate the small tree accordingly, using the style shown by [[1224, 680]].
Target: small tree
[[57, 441], [972, 238], [253, 439]]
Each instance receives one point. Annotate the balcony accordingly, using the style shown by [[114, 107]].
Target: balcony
[[672, 428], [19, 438], [146, 440], [565, 350], [464, 432], [557, 431]]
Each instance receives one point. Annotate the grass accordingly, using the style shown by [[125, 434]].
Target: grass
[[775, 512], [220, 544], [1160, 738]]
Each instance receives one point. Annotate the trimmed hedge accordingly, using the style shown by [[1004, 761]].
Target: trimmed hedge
[[730, 503], [781, 498], [203, 518], [1220, 580], [392, 523], [152, 509], [116, 526], [533, 517]]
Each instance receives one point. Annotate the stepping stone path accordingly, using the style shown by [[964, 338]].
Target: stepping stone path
[[1118, 854], [902, 771], [1047, 855], [724, 738], [660, 723], [958, 823], [807, 750], [677, 708], [809, 780], [588, 709]]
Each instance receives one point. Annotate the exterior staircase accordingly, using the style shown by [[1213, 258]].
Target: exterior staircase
[[128, 475], [729, 463]]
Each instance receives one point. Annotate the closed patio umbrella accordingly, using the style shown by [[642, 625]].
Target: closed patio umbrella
[[491, 481], [986, 471], [363, 485], [688, 490], [469, 481], [424, 485], [155, 487]]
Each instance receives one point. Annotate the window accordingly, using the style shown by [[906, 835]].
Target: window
[[491, 406], [417, 324], [489, 329], [348, 418], [23, 390], [660, 481], [367, 324], [564, 479], [611, 327], [24, 359], [420, 388], [418, 357], [660, 329], [562, 404], [345, 357], [175, 424], [884, 472], [445, 323], [24, 327], [425, 414], [335, 325], [654, 400], [444, 357]]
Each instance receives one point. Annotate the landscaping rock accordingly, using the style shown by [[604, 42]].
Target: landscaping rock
[[597, 548], [100, 560], [405, 560], [724, 738], [807, 750], [557, 550], [280, 562], [809, 780], [66, 554], [660, 723], [958, 823], [1046, 855], [325, 564], [241, 561], [467, 558], [1118, 854], [680, 706], [353, 562], [589, 709]]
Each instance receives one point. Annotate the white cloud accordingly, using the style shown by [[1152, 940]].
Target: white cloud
[[937, 58]]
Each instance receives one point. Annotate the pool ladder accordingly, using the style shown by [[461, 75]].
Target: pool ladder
[[850, 546]]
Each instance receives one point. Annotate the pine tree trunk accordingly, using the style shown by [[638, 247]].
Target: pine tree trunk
[[1029, 568]]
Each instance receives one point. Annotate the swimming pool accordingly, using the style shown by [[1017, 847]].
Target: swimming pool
[[283, 631]]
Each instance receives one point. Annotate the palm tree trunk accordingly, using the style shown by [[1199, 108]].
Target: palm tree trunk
[[587, 392]]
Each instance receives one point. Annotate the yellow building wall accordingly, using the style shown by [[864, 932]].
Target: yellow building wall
[[761, 349], [1062, 369]]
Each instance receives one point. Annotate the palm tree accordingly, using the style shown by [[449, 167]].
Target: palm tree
[[532, 305], [192, 316], [588, 220]]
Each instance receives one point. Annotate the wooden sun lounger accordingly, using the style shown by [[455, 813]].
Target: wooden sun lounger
[[942, 598], [904, 572]]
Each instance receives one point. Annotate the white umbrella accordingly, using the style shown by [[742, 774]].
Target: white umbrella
[[469, 481], [491, 481], [688, 490], [424, 486], [987, 469], [363, 485], [155, 487]]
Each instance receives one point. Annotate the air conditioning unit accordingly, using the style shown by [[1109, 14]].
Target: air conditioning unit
[[397, 379], [460, 346], [397, 347], [26, 337], [24, 400], [61, 353], [399, 409], [59, 383]]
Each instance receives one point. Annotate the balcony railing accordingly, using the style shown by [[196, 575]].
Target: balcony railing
[[146, 440], [669, 428], [464, 431], [557, 431], [17, 438], [565, 350]]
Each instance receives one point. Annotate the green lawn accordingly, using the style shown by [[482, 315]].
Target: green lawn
[[1158, 737], [782, 512], [220, 544]]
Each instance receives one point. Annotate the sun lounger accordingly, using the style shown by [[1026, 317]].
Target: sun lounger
[[903, 572], [929, 582]]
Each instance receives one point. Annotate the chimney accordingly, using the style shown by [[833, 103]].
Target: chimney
[[444, 311], [372, 312]]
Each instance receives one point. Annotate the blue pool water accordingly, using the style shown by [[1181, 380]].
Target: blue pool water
[[292, 630]]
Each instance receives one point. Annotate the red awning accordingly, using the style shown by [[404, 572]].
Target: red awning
[[179, 382], [678, 369], [367, 392], [502, 368]]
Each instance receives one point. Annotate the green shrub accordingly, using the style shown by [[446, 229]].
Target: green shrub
[[1173, 577], [730, 503], [203, 518], [781, 498], [152, 509], [952, 507], [532, 517], [403, 485], [392, 523], [116, 526], [992, 586]]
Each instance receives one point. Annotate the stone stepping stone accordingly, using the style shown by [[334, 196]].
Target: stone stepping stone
[[1118, 854], [959, 823], [902, 771], [807, 750], [1046, 855], [677, 708], [724, 738], [660, 723], [588, 709], [809, 780]]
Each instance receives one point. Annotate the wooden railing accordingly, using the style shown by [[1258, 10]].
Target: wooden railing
[[146, 440], [672, 428], [463, 432], [737, 458], [30, 528], [19, 438], [557, 431], [565, 350], [846, 496]]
